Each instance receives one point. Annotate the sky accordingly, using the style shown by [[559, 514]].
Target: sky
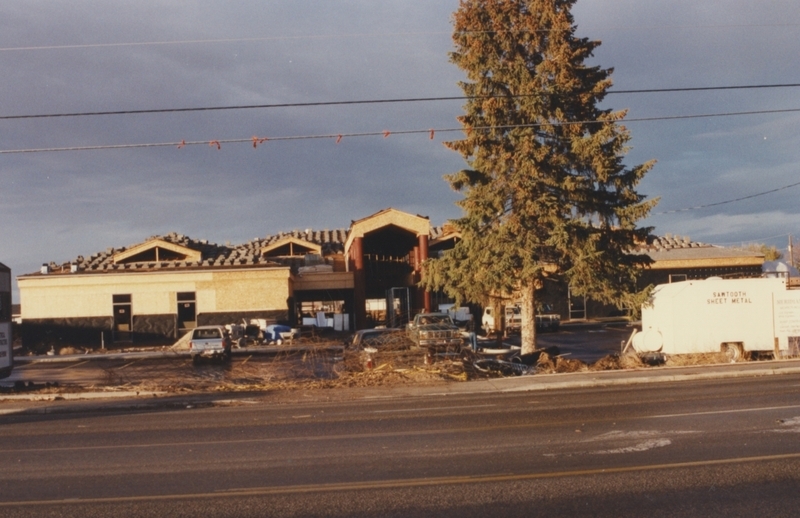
[[61, 57]]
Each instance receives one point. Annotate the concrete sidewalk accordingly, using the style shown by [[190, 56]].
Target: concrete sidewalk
[[608, 378]]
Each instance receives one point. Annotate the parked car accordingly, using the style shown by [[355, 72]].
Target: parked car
[[210, 342], [434, 331]]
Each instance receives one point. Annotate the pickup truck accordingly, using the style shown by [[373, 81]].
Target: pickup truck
[[434, 331], [210, 342]]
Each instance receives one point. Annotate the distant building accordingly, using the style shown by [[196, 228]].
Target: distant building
[[352, 278], [155, 290], [674, 259], [679, 258]]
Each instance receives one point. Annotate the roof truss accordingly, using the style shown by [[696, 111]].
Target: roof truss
[[157, 250], [290, 247]]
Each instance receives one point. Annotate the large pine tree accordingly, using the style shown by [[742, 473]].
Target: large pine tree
[[546, 193]]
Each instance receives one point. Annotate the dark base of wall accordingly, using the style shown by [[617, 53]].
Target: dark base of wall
[[154, 329], [40, 335]]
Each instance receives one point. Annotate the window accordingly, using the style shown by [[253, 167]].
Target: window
[[5, 306], [201, 334]]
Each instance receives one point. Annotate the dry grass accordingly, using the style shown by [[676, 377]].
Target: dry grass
[[319, 369], [389, 363], [556, 364], [686, 360], [617, 362], [316, 368]]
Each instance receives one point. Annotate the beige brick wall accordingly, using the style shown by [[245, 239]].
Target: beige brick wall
[[90, 295], [246, 290]]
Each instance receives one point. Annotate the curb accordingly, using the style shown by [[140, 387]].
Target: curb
[[753, 373], [76, 396]]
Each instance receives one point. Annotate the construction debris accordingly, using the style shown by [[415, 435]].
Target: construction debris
[[388, 360]]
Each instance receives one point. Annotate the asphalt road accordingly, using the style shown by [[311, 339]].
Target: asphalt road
[[721, 448]]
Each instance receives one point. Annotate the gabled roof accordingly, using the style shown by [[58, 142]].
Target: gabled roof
[[329, 241], [417, 225], [157, 249], [290, 246], [182, 253], [176, 251]]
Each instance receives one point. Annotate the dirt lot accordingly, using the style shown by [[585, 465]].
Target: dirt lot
[[323, 364]]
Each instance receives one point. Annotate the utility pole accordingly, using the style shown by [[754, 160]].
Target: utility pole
[[791, 254]]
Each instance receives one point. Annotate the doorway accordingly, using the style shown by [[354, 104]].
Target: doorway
[[577, 306], [123, 320], [187, 311]]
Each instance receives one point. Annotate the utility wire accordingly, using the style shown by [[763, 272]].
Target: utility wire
[[339, 136], [728, 201], [218, 40], [372, 101], [366, 34], [255, 141]]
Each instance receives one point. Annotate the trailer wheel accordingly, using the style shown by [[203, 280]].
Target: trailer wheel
[[733, 352]]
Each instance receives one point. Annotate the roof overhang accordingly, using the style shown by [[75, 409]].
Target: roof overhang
[[664, 264]]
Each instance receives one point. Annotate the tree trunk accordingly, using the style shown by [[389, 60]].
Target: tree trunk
[[527, 313], [499, 321]]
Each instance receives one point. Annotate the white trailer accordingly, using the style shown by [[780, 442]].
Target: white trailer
[[734, 316]]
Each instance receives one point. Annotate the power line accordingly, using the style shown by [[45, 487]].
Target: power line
[[728, 201], [219, 40], [255, 141], [702, 88], [431, 132], [371, 101], [218, 143], [367, 34]]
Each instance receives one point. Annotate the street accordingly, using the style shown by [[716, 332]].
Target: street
[[711, 448]]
